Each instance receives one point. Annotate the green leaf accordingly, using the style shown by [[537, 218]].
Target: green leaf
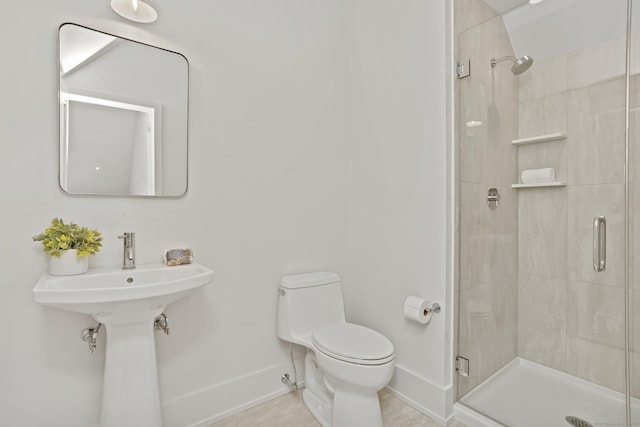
[[69, 236]]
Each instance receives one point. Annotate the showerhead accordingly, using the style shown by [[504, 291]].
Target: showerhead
[[520, 65]]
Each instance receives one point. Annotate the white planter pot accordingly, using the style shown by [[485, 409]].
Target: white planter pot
[[68, 264]]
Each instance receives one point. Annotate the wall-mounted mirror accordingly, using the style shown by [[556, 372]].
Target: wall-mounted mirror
[[123, 116]]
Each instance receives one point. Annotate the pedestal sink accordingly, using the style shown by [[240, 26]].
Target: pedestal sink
[[126, 302]]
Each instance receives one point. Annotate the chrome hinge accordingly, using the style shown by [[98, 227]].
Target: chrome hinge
[[463, 69], [462, 366]]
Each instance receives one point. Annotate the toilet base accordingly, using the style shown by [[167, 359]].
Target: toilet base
[[320, 411], [334, 403], [316, 396], [346, 410], [356, 410]]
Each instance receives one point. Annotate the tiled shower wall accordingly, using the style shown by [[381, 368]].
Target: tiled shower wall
[[526, 283], [570, 317], [487, 118]]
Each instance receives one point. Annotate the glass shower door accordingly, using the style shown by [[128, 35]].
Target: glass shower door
[[541, 330], [633, 301]]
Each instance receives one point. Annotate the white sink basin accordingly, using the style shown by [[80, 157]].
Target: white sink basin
[[102, 291], [126, 302]]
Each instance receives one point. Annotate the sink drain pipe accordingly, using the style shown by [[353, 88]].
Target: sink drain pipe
[[90, 336]]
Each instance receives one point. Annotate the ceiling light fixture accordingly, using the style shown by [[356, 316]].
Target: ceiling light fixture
[[134, 10], [535, 1]]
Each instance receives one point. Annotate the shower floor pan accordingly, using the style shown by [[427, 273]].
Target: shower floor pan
[[526, 394]]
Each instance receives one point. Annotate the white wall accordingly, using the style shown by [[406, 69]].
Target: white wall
[[273, 143], [265, 199], [398, 189]]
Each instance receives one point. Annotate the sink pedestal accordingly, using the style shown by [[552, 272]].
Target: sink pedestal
[[126, 302], [130, 394]]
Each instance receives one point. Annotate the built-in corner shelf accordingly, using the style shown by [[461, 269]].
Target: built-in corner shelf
[[539, 138], [532, 140], [541, 184]]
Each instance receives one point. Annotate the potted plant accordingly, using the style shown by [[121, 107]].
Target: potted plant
[[69, 246]]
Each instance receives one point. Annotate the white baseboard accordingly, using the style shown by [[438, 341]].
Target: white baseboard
[[472, 418], [431, 399], [211, 404]]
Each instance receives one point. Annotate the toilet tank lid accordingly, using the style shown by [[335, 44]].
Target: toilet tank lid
[[309, 279]]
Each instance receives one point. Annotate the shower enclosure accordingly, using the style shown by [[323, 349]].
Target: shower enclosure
[[547, 100]]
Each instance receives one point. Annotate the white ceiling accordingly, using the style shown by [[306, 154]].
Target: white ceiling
[[552, 28]]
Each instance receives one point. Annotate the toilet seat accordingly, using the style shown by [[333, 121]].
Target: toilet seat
[[353, 344]]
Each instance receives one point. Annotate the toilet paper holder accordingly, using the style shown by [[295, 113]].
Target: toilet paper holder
[[420, 310], [435, 307]]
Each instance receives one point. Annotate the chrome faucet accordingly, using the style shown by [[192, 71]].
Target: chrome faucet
[[129, 255]]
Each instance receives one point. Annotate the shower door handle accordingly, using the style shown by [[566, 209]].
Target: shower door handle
[[599, 243]]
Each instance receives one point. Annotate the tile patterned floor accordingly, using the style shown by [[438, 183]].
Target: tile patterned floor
[[289, 411]]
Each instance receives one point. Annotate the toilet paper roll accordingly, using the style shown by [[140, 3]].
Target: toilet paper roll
[[417, 309]]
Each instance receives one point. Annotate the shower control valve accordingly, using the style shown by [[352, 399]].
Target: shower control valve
[[493, 198]]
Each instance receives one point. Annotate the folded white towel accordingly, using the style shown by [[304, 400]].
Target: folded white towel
[[538, 176]]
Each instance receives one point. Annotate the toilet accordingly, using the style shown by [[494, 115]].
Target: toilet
[[345, 364]]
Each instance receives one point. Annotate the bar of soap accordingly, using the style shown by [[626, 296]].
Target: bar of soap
[[178, 256]]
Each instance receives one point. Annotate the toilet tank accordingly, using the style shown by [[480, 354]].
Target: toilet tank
[[307, 302]]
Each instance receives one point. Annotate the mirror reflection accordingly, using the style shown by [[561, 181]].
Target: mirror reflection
[[123, 116]]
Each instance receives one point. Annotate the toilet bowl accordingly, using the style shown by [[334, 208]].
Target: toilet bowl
[[345, 364]]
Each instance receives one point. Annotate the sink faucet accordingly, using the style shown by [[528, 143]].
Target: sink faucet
[[129, 255]]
